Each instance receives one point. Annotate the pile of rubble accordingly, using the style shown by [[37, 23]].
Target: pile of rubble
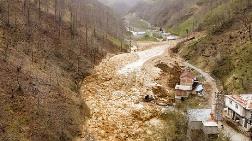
[[116, 102]]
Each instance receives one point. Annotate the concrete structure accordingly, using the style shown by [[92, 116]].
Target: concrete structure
[[197, 116], [210, 127], [239, 109], [201, 120]]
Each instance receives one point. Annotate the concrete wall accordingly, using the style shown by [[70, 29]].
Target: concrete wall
[[248, 114], [210, 130], [245, 124]]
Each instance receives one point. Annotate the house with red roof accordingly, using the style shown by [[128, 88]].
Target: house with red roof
[[185, 87], [186, 78], [239, 109]]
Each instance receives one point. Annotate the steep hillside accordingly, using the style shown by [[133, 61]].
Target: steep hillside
[[162, 12], [46, 48], [176, 15], [226, 49]]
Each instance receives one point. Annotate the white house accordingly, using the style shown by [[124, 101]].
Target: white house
[[172, 37], [138, 33], [239, 109]]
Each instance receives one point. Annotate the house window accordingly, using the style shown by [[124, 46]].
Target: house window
[[236, 106], [230, 101]]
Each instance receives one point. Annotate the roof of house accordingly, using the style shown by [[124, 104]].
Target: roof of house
[[245, 100], [186, 74], [183, 87], [186, 78], [199, 114]]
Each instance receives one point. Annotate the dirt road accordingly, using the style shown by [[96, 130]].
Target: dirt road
[[143, 57]]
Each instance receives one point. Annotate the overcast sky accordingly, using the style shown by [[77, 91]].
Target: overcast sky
[[112, 2]]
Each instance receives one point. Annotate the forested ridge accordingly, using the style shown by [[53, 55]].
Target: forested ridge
[[47, 47]]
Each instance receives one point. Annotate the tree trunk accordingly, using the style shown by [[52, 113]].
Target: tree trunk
[[86, 35], [8, 11], [59, 25], [39, 2], [250, 32], [28, 13], [55, 10], [6, 52]]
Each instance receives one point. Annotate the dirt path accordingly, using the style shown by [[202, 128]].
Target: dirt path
[[209, 80]]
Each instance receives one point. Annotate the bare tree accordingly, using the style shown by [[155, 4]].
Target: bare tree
[[27, 11], [86, 35], [8, 12], [6, 52], [17, 77], [55, 9], [39, 10]]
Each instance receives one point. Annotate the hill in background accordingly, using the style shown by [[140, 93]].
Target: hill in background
[[122, 7]]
